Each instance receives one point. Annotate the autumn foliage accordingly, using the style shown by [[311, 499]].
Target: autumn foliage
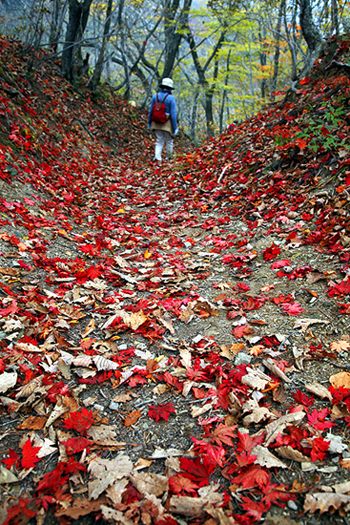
[[178, 304]]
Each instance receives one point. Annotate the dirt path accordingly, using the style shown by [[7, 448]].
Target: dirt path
[[156, 300]]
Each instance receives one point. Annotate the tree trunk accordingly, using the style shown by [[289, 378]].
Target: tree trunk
[[78, 17], [277, 50], [96, 77], [173, 32], [263, 58], [335, 19], [311, 34], [57, 17]]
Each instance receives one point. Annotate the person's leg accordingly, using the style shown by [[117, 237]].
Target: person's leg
[[169, 144], [160, 140]]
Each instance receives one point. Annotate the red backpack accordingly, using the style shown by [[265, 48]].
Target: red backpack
[[158, 111]]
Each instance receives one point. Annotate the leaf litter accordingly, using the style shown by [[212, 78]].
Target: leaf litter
[[174, 340]]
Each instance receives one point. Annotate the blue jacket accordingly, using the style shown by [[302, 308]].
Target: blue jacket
[[170, 107]]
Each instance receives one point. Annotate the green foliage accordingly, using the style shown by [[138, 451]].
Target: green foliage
[[321, 132]]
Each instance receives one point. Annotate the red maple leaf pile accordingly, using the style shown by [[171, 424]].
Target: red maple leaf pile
[[106, 259]]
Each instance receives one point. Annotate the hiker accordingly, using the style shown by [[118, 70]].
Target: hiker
[[162, 119]]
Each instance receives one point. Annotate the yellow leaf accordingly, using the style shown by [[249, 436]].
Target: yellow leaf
[[147, 254]]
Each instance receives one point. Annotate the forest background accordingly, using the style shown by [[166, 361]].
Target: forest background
[[228, 58]]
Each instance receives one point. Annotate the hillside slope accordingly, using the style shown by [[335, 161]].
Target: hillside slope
[[174, 339]]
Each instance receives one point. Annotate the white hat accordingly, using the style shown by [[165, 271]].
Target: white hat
[[167, 82]]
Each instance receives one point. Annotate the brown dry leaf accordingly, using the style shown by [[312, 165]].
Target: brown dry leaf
[[265, 458], [187, 315], [104, 435], [104, 364], [203, 305], [313, 277], [6, 476], [324, 502], [105, 472], [186, 357], [187, 387], [47, 446], [342, 488], [90, 328], [345, 463], [319, 390], [340, 379], [28, 347], [7, 381], [339, 346], [339, 412], [71, 403], [133, 320], [193, 507], [276, 427], [58, 411], [257, 413], [165, 319], [33, 423], [291, 453], [132, 418], [230, 352], [142, 463], [271, 365], [63, 368], [115, 492], [257, 349], [150, 483], [198, 411], [81, 507], [82, 360], [219, 515], [9, 271], [115, 515], [305, 323], [123, 398], [256, 379], [160, 389]]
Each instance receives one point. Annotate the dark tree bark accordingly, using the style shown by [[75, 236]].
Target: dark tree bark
[[201, 72], [335, 18], [77, 20], [57, 17], [96, 76], [173, 31], [311, 34], [277, 50]]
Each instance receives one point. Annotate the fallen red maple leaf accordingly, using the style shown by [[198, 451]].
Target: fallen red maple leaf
[[303, 399], [12, 459], [223, 434], [196, 469], [344, 308], [317, 419], [319, 448], [76, 444], [179, 483], [255, 509], [161, 411], [79, 420], [29, 455], [252, 476], [292, 309], [20, 510], [342, 288], [271, 252]]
